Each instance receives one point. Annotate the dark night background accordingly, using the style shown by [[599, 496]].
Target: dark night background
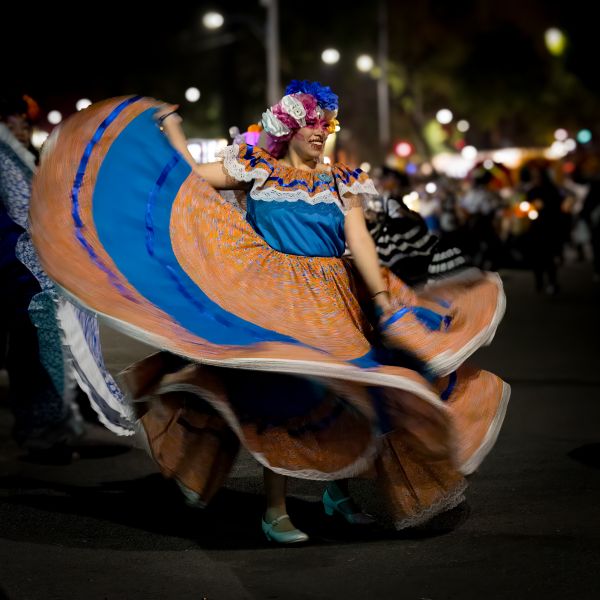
[[485, 60], [101, 523]]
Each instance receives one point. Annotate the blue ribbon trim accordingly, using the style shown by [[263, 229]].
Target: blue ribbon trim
[[452, 379], [395, 317], [301, 183], [75, 212], [133, 198], [221, 319], [442, 302], [345, 177], [348, 175], [432, 320], [152, 200]]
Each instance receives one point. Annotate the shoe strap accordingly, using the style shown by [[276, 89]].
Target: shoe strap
[[336, 503], [278, 520]]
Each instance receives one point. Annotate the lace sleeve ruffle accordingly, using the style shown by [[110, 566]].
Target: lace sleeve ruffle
[[246, 163], [353, 186]]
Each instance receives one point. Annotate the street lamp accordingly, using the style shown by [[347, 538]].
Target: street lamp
[[364, 63], [267, 35], [403, 149], [272, 51], [561, 135], [192, 94], [330, 56], [383, 84], [469, 153], [556, 41], [463, 126], [584, 136], [213, 20], [444, 116], [54, 117]]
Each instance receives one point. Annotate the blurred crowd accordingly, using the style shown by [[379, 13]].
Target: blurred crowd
[[535, 217]]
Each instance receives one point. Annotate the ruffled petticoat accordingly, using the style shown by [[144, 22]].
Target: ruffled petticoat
[[274, 351]]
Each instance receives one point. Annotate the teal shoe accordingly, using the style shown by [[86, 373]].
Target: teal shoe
[[294, 536], [354, 518]]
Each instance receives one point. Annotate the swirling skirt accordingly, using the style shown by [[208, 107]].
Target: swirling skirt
[[277, 352]]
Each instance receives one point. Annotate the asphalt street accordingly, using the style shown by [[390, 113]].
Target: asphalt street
[[109, 526]]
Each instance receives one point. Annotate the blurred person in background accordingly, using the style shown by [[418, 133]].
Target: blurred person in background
[[579, 235], [590, 213], [589, 173], [430, 208], [404, 241], [479, 207], [449, 218], [41, 386], [546, 232]]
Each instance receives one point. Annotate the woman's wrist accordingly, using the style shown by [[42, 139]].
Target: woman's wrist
[[379, 293], [382, 300], [167, 115], [168, 120]]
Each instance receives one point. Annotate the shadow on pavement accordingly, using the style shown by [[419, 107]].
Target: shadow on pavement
[[149, 514], [588, 455], [64, 455]]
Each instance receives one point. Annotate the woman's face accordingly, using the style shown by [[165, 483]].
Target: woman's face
[[308, 142]]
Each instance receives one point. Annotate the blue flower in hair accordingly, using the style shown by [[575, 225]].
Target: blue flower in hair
[[326, 99]]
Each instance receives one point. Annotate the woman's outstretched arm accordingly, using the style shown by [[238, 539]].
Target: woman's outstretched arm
[[214, 173]]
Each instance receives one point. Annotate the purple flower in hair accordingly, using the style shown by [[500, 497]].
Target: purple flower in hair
[[326, 99]]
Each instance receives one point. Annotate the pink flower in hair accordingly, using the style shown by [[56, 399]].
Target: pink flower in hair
[[286, 117], [293, 112]]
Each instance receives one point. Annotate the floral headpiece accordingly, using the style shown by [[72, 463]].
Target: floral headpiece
[[326, 99], [305, 104]]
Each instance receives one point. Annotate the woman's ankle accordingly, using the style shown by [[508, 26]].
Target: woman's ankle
[[273, 512], [337, 491]]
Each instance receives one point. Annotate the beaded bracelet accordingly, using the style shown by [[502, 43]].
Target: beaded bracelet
[[377, 294], [161, 119]]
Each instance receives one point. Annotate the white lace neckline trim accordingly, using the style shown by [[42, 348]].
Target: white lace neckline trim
[[258, 177]]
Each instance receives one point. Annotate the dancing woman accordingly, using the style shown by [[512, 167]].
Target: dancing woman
[[324, 368]]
